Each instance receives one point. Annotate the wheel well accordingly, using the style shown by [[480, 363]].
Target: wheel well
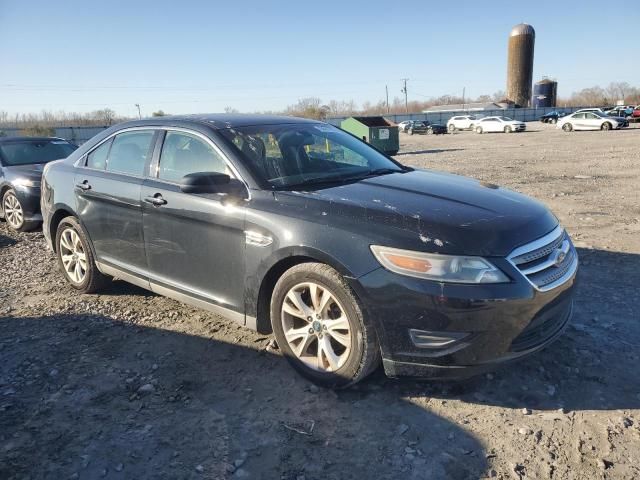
[[55, 221], [269, 281]]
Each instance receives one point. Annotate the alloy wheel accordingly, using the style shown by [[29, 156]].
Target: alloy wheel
[[74, 258], [13, 211], [316, 327]]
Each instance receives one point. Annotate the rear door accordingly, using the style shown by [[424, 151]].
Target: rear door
[[195, 243], [107, 188]]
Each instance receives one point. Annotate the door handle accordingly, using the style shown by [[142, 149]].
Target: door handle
[[84, 185], [156, 200]]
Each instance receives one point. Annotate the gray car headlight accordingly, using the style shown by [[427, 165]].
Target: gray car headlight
[[26, 182], [437, 267]]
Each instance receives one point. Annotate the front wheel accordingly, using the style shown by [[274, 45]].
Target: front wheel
[[567, 127], [429, 131], [320, 327], [410, 131], [14, 212], [553, 121], [452, 128], [75, 257], [507, 129], [606, 126]]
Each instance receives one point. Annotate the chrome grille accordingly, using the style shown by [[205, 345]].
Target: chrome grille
[[547, 262]]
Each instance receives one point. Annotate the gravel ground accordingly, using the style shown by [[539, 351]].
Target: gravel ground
[[127, 384]]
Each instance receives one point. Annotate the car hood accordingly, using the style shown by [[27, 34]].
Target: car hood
[[32, 172], [432, 211]]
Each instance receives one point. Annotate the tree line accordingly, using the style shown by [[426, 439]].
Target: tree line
[[43, 122]]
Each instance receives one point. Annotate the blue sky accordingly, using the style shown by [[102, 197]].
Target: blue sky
[[195, 56]]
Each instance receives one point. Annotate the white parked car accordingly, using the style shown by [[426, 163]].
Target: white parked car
[[461, 122], [403, 126], [590, 121], [499, 124], [598, 111]]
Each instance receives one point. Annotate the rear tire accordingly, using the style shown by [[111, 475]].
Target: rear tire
[[320, 327], [553, 121], [410, 131], [75, 257], [479, 130], [429, 131], [606, 126], [567, 127]]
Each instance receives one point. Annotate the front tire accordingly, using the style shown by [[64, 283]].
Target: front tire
[[452, 128], [320, 327], [606, 126], [567, 127], [14, 213], [429, 131], [410, 131], [75, 258], [553, 121], [507, 129]]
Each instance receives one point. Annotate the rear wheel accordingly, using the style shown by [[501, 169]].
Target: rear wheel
[[320, 327], [429, 131], [606, 126], [410, 131], [75, 257], [553, 121], [479, 130], [14, 213], [567, 127]]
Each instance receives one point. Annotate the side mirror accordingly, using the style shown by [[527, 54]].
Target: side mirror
[[211, 182]]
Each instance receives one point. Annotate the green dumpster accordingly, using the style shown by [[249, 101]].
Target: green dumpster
[[378, 131]]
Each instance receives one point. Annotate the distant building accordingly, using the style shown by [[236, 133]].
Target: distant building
[[522, 40], [471, 107]]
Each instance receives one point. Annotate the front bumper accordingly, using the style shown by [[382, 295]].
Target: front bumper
[[462, 330]]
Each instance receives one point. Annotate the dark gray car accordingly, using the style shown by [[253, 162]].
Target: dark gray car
[[298, 228], [21, 162]]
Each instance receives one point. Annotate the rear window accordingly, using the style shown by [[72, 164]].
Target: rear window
[[27, 152]]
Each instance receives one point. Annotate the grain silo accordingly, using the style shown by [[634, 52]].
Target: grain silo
[[545, 93], [520, 64]]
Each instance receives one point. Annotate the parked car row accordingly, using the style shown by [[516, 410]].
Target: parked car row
[[290, 226]]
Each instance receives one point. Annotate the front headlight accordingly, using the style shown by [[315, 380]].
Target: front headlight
[[440, 268], [26, 182]]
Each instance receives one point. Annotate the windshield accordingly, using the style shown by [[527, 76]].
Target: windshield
[[27, 152], [299, 155]]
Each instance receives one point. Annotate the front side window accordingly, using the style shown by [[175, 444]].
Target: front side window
[[29, 152], [129, 152], [297, 155], [183, 153]]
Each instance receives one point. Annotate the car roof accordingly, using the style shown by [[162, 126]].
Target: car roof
[[217, 120], [30, 139]]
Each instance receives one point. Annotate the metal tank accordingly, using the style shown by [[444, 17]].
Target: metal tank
[[545, 93], [520, 64]]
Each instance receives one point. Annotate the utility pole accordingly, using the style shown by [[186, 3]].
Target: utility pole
[[404, 90], [463, 92], [139, 114], [386, 88]]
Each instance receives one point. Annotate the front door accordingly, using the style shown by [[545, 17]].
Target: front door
[[194, 242], [108, 188]]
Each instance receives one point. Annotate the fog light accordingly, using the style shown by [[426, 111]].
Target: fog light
[[437, 340]]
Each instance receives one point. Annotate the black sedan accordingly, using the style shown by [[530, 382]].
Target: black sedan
[[296, 227], [551, 117], [21, 162]]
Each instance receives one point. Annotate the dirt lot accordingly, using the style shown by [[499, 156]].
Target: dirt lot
[[131, 385]]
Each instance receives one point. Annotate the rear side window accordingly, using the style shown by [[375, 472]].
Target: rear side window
[[129, 152], [98, 158], [183, 154]]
